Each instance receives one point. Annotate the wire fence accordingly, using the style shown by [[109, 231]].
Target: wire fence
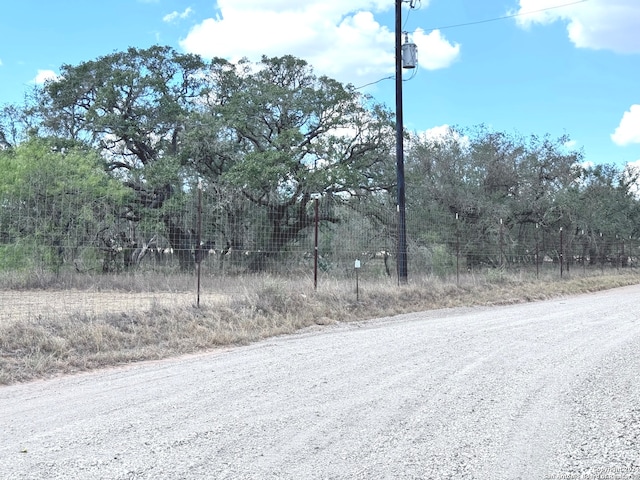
[[62, 252]]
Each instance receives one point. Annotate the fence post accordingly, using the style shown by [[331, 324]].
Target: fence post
[[457, 251], [537, 253], [198, 252], [561, 253], [501, 246], [569, 252], [584, 255], [357, 269], [315, 247]]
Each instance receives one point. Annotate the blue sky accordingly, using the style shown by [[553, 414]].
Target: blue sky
[[557, 67]]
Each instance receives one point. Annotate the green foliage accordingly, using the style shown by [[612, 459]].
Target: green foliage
[[135, 132], [294, 134], [18, 256], [272, 134], [126, 102], [131, 107], [506, 196], [55, 197]]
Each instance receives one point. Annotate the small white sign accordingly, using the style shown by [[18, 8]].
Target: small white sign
[[357, 263]]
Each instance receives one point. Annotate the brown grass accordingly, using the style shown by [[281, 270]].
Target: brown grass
[[48, 341]]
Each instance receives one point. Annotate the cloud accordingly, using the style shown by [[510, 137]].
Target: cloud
[[595, 24], [629, 129], [340, 38], [173, 16], [434, 51], [43, 76], [445, 133], [1, 62], [633, 169]]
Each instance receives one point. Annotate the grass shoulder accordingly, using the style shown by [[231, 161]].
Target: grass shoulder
[[46, 345]]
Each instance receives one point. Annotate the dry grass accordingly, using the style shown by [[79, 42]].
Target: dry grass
[[51, 343]]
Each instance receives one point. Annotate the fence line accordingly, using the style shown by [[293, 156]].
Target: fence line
[[84, 247]]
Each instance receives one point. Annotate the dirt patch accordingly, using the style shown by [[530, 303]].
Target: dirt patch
[[15, 305]]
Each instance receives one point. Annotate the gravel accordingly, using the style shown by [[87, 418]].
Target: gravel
[[544, 390]]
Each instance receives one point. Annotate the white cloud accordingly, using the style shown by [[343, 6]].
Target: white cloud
[[444, 133], [43, 76], [173, 16], [629, 129], [596, 24], [340, 38], [632, 169], [587, 165], [434, 51], [437, 133], [0, 62]]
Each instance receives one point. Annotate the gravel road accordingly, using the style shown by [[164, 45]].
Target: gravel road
[[544, 390]]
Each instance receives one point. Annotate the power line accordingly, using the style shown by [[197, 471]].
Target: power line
[[412, 5], [391, 77], [529, 12]]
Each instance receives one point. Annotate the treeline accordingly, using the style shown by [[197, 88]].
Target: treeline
[[145, 152], [505, 199]]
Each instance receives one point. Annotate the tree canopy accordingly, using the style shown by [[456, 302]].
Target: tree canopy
[[134, 133], [57, 200], [279, 134]]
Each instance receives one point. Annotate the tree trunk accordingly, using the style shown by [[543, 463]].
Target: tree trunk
[[182, 243]]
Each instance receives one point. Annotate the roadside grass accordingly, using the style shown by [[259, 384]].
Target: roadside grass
[[254, 308]]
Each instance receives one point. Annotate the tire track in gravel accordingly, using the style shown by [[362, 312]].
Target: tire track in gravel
[[528, 391]]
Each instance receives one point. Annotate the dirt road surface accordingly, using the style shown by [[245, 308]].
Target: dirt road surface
[[543, 390]]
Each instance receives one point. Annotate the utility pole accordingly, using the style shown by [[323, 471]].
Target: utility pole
[[402, 226]]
